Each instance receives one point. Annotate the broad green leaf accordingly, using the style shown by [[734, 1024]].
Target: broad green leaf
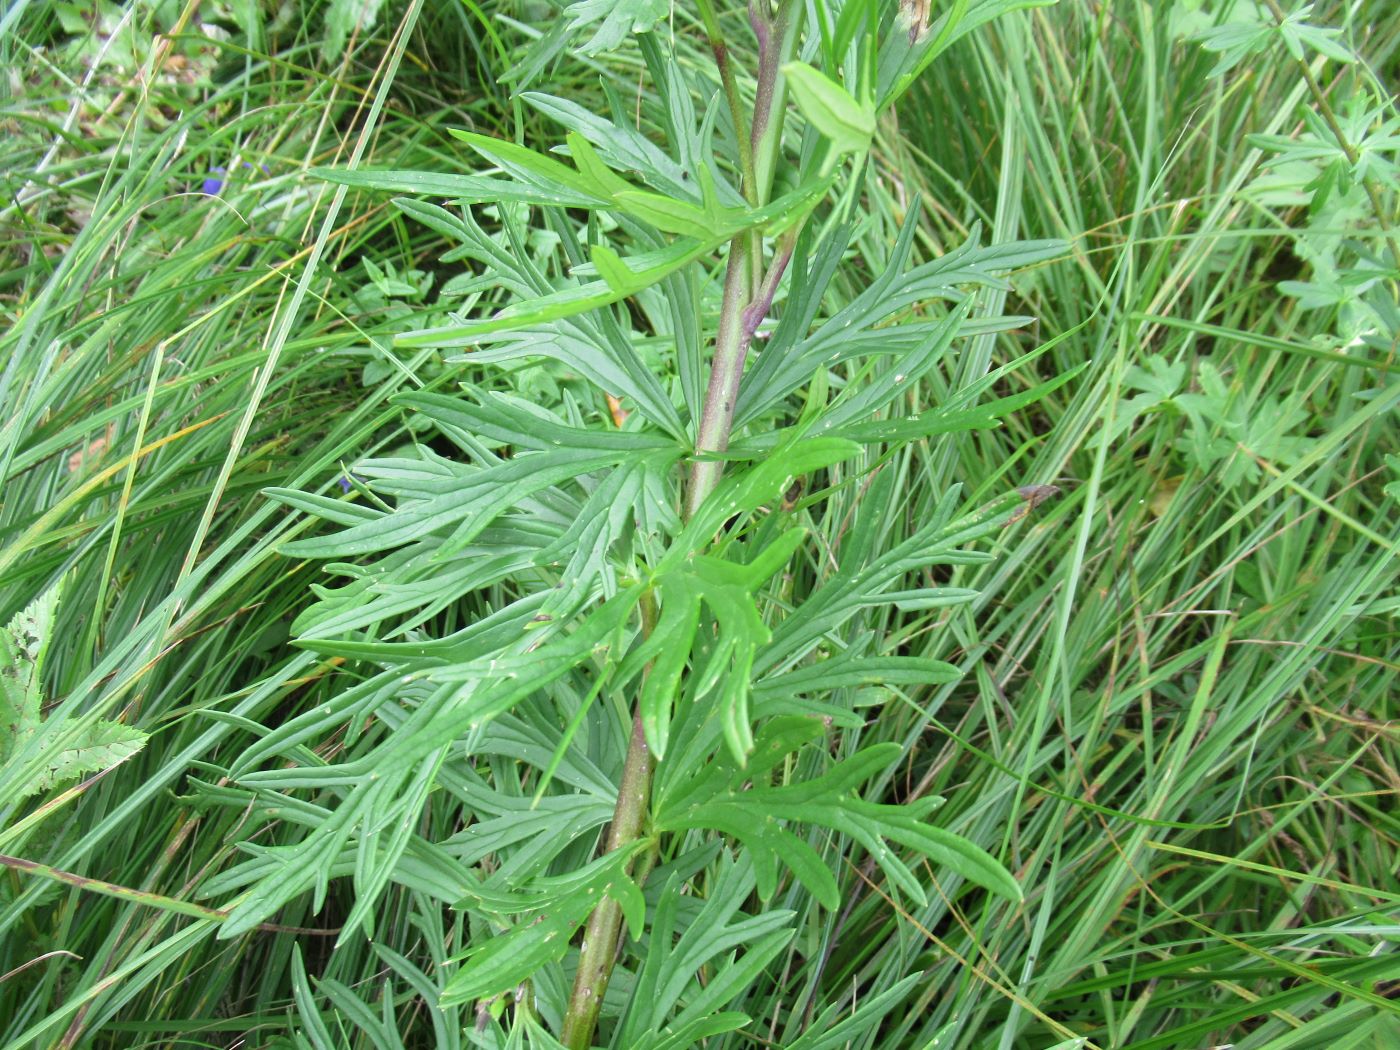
[[848, 125]]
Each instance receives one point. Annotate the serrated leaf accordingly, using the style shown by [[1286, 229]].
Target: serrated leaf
[[104, 745], [24, 643], [616, 19]]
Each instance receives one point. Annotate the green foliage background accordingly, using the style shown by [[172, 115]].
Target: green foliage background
[[1175, 718]]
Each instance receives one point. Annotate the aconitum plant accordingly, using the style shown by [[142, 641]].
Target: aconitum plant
[[597, 667]]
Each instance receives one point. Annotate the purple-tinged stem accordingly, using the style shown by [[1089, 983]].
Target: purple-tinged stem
[[602, 937], [717, 415], [777, 39], [739, 323]]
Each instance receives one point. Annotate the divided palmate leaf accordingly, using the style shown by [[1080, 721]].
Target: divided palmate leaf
[[616, 19], [669, 975], [99, 745], [727, 590], [540, 918], [699, 230], [733, 799]]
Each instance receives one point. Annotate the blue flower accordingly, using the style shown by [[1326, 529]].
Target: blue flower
[[213, 185]]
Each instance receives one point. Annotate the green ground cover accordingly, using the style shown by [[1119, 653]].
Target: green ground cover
[[1175, 720]]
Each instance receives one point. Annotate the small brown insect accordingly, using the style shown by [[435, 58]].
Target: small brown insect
[[1033, 496], [793, 494]]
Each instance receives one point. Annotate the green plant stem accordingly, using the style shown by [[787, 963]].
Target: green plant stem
[[717, 415], [742, 290], [777, 38], [720, 49], [598, 951], [754, 192]]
